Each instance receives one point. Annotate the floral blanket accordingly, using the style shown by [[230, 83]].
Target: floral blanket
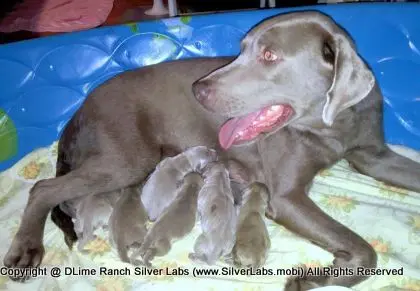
[[387, 217]]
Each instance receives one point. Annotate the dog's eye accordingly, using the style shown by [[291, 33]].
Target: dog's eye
[[269, 56], [327, 52]]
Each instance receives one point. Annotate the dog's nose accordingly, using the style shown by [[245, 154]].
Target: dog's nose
[[201, 90]]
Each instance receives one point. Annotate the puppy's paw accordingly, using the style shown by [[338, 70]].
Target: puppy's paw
[[197, 258], [148, 256], [143, 256], [133, 248], [228, 259], [135, 254], [138, 261], [24, 253], [249, 256], [248, 261], [136, 258]]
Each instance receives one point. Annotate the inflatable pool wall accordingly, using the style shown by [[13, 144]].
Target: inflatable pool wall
[[44, 81]]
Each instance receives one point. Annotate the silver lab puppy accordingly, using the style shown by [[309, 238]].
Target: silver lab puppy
[[177, 220], [218, 216], [89, 213], [252, 239], [160, 188], [127, 223]]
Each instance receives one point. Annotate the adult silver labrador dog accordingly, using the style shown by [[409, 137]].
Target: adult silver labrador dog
[[297, 99]]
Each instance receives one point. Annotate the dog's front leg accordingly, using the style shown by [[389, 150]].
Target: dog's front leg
[[298, 213], [290, 165]]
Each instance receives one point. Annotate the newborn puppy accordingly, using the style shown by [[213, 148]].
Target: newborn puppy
[[176, 221], [161, 187], [218, 216], [89, 214], [127, 223], [252, 239]]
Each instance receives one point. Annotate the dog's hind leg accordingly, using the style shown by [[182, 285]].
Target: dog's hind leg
[[97, 174], [387, 166]]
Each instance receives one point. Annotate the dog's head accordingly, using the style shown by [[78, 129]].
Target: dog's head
[[290, 67]]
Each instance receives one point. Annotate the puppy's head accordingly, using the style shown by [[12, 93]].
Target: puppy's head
[[290, 67], [200, 156], [215, 171], [256, 193], [216, 179]]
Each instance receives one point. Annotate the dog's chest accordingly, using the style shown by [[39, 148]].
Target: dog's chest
[[249, 158]]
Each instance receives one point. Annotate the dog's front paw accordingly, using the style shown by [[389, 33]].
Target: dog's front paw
[[23, 253], [299, 284], [303, 282]]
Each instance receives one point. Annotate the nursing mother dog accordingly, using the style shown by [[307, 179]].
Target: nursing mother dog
[[296, 100]]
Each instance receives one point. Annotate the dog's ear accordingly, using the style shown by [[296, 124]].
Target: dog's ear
[[352, 80]]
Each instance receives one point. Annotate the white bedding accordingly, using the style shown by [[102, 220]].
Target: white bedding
[[387, 217]]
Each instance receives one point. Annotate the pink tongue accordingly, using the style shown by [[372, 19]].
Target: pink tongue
[[250, 126], [228, 131]]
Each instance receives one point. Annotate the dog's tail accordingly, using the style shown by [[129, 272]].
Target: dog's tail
[[65, 223], [388, 166], [405, 152]]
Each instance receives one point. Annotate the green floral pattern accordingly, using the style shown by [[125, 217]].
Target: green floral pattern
[[387, 217]]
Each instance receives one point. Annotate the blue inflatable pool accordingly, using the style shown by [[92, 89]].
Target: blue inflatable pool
[[44, 81]]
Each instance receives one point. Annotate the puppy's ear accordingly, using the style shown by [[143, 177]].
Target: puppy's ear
[[352, 81]]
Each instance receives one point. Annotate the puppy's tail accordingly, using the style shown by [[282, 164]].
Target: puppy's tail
[[65, 223]]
